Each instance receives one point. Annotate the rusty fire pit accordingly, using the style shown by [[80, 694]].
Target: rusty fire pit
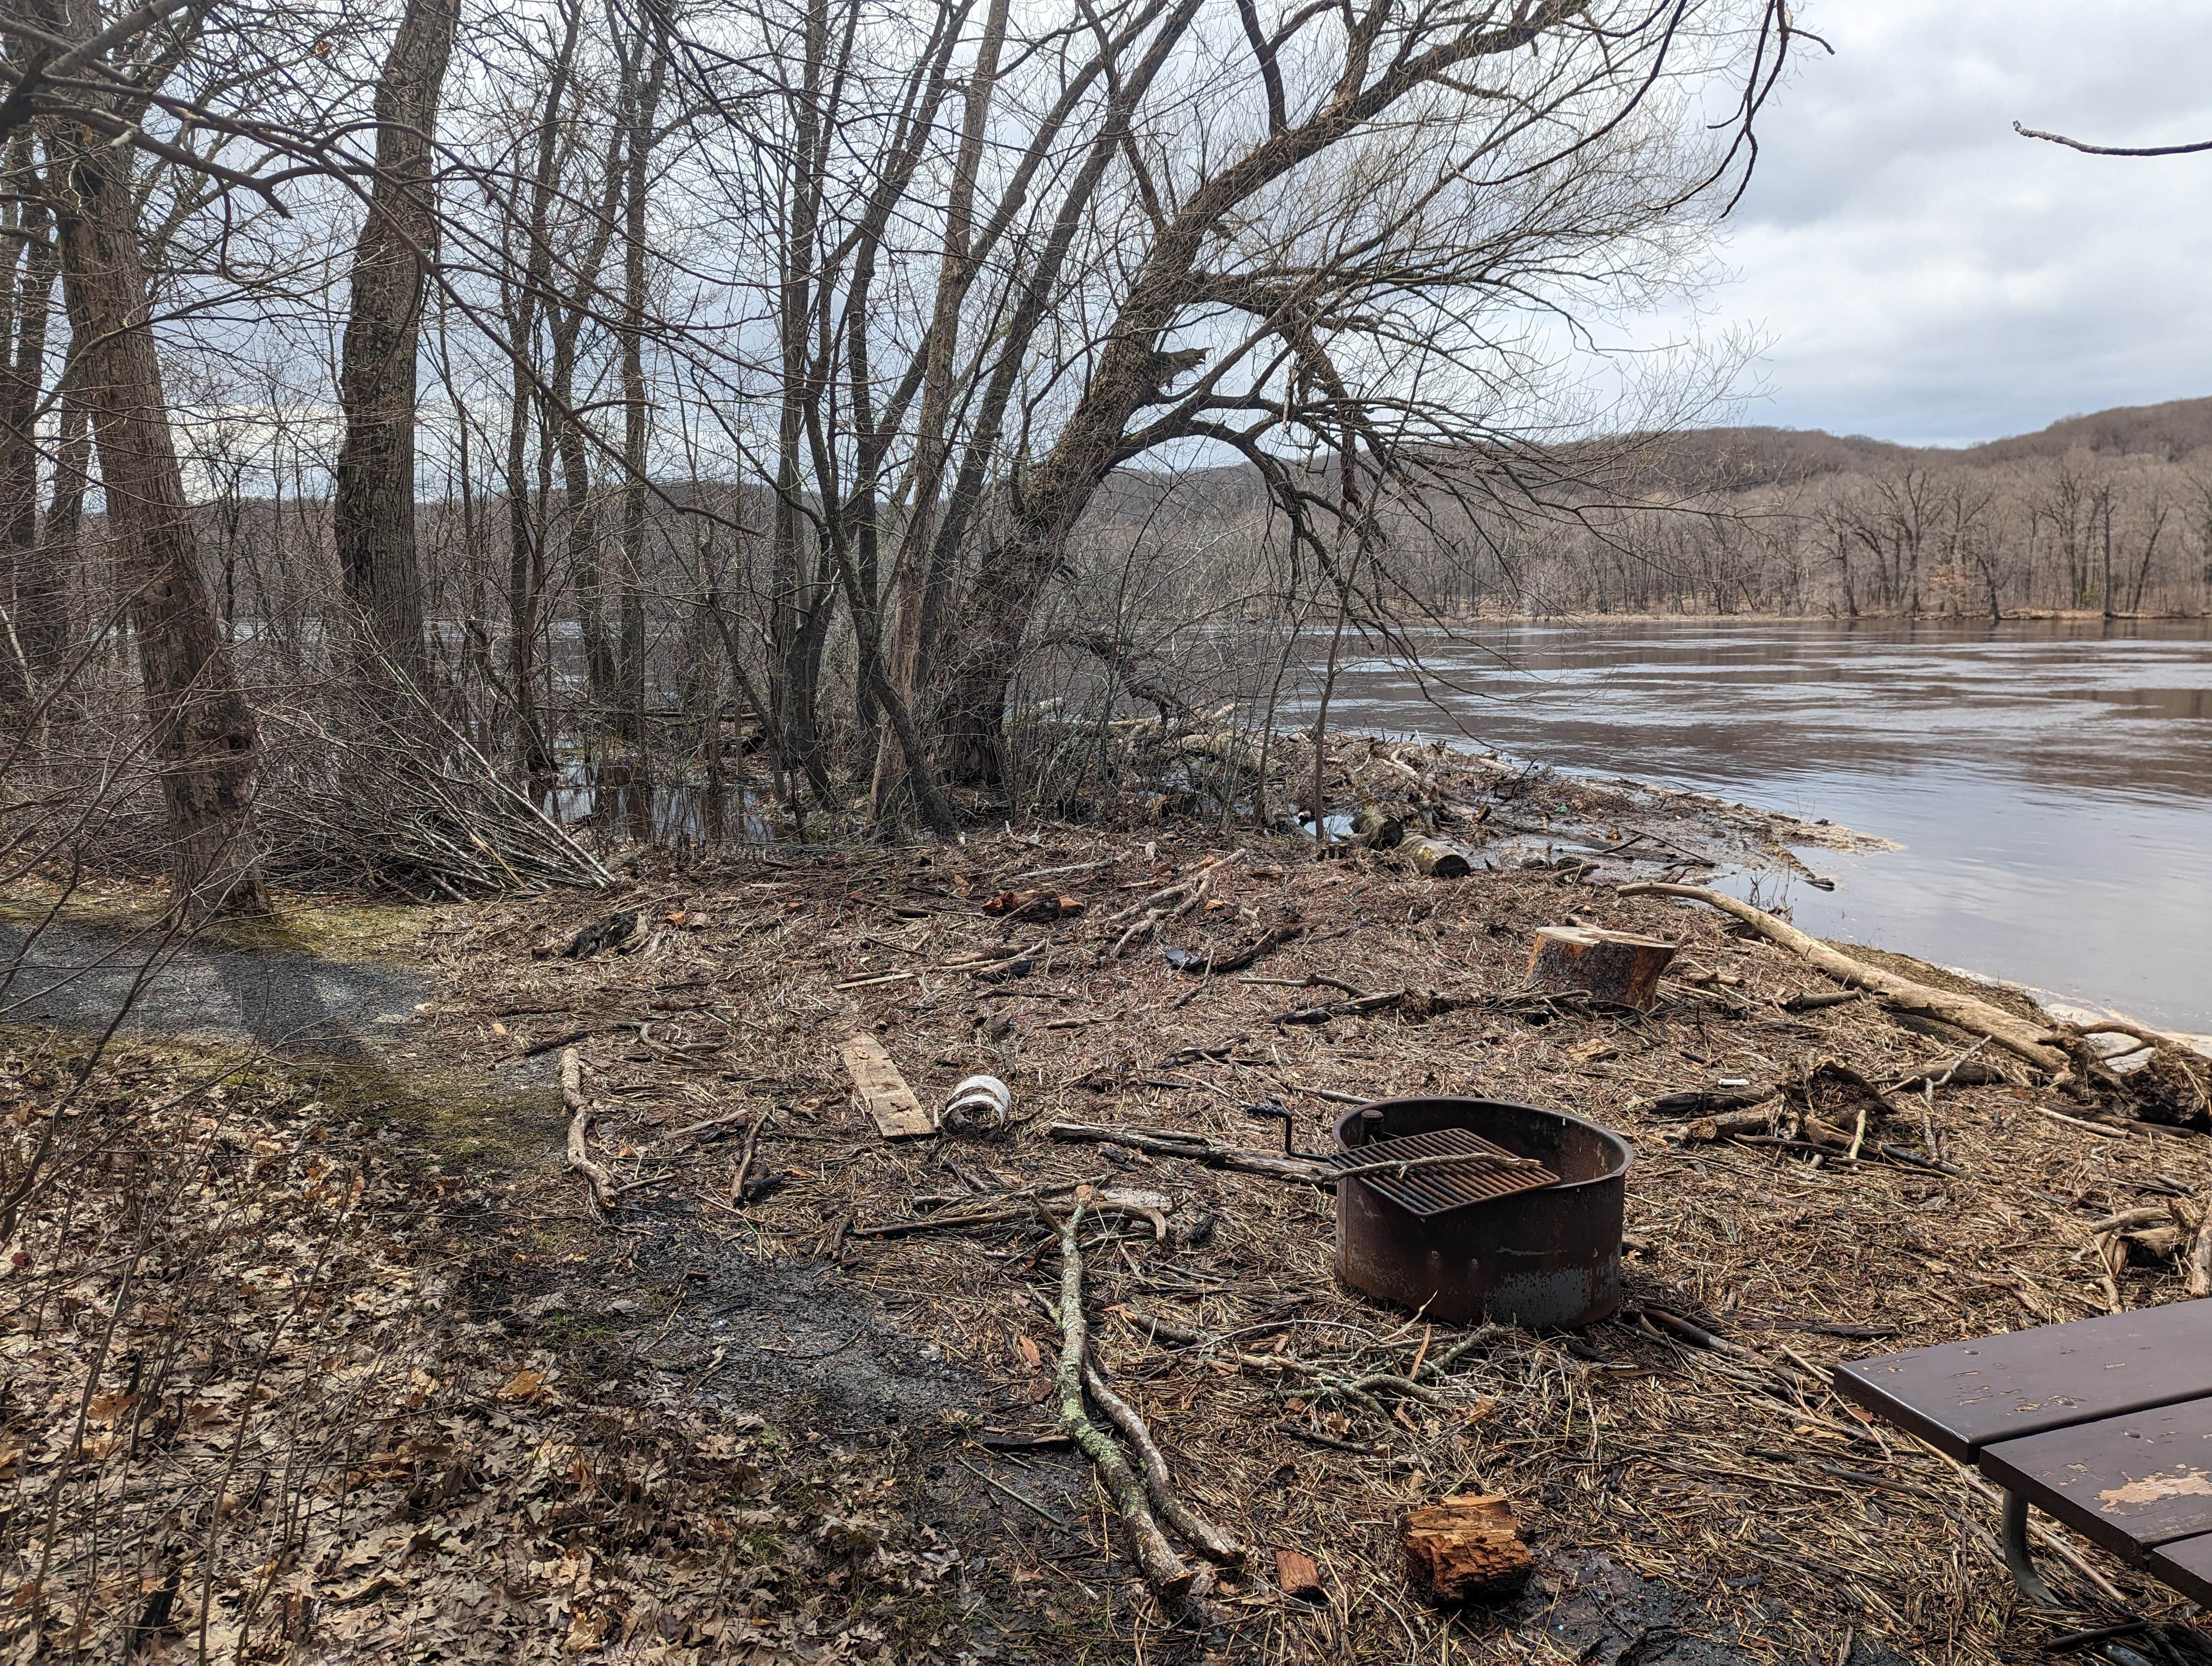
[[1544, 1257]]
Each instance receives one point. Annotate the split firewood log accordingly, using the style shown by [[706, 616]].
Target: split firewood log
[[1466, 1547]]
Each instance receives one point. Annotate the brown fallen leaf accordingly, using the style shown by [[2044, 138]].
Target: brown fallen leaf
[[523, 1385]]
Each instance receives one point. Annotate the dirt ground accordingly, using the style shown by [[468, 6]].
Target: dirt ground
[[335, 1360]]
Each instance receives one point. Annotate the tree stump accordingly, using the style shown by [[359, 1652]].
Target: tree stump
[[1465, 1547], [1617, 968]]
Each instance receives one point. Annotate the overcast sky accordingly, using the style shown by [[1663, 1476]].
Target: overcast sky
[[1924, 275]]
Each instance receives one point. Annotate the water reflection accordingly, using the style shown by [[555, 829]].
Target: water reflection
[[2050, 781], [623, 800]]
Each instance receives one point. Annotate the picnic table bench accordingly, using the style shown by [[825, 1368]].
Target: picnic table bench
[[2104, 1424]]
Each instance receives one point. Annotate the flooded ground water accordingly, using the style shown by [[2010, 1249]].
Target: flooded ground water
[[2050, 782]]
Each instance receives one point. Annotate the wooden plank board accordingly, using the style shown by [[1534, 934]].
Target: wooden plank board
[[2128, 1483], [1962, 1396], [2186, 1565], [883, 1093]]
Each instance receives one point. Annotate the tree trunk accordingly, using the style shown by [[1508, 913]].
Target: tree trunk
[[204, 738], [919, 573], [525, 552], [42, 619], [636, 413], [31, 655], [374, 505], [794, 593]]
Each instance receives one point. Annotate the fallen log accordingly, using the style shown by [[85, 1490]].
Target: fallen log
[[579, 1121], [1439, 859], [2014, 1034], [1377, 828], [2198, 1268], [1728, 1126], [1711, 1101]]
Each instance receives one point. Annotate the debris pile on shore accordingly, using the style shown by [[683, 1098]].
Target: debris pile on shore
[[759, 1230], [1818, 1177]]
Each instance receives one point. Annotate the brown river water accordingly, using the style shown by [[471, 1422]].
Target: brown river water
[[2051, 783]]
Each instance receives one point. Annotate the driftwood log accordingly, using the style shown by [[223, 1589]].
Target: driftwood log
[[1439, 860], [1166, 1572], [1466, 1547], [1198, 1149], [2014, 1034], [579, 1122], [1617, 968]]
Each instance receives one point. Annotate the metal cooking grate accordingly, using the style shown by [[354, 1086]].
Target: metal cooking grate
[[1433, 1189]]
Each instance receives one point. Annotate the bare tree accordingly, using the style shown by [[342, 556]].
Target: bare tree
[[373, 504], [204, 735]]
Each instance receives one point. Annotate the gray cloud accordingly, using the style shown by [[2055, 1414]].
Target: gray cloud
[[1922, 274]]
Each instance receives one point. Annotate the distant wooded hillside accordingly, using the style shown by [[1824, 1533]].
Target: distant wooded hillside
[[2107, 512], [1737, 458]]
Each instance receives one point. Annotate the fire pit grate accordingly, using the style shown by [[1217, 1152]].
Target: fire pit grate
[[1435, 1188]]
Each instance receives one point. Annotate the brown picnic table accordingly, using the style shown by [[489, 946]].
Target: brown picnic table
[[2104, 1424]]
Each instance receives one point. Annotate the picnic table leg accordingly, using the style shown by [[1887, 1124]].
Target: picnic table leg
[[2014, 1537]]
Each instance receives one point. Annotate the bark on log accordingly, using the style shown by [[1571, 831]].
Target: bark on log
[[1713, 1101], [2199, 1270], [1466, 1547], [1728, 1126], [1377, 828], [1197, 1149], [1438, 859], [2014, 1034], [1617, 968]]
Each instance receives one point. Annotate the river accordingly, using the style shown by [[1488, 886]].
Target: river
[[2050, 782]]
